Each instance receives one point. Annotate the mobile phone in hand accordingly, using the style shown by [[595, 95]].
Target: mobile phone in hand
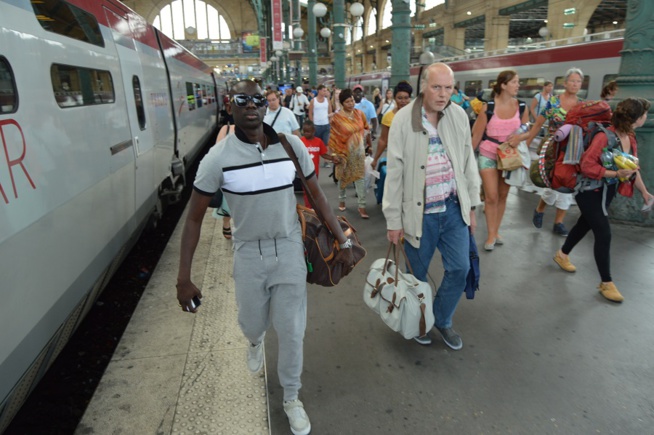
[[195, 302]]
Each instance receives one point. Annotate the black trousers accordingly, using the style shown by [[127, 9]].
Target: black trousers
[[593, 219]]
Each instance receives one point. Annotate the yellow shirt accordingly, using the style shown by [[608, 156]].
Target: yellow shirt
[[388, 118]]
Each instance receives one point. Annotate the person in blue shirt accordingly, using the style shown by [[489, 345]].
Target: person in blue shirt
[[366, 107]]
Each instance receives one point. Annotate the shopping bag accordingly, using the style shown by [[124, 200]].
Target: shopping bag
[[508, 158]]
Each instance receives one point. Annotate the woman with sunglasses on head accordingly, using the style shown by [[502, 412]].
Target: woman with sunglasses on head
[[348, 137], [600, 185]]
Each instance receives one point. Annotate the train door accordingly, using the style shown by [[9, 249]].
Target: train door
[[135, 93]]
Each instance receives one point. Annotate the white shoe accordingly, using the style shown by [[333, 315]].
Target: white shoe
[[255, 357], [297, 417]]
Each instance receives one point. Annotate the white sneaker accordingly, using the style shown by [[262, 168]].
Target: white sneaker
[[297, 417], [255, 357]]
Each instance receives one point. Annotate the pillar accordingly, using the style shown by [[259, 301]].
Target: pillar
[[636, 79], [497, 31], [286, 12], [297, 42], [338, 39], [401, 41], [454, 37], [313, 54], [556, 17]]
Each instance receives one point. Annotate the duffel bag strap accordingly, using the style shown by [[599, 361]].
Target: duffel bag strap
[[305, 185]]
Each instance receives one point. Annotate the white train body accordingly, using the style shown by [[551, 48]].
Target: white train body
[[598, 56], [85, 160]]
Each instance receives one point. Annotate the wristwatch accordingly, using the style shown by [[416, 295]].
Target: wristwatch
[[346, 245]]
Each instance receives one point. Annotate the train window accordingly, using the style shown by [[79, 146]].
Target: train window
[[472, 88], [558, 87], [8, 93], [190, 96], [138, 99], [530, 86], [77, 86], [198, 95], [65, 19]]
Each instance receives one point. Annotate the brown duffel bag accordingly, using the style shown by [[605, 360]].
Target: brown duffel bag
[[320, 245]]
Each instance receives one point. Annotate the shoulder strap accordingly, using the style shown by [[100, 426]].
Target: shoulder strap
[[291, 153], [611, 137], [521, 106], [276, 116], [490, 108]]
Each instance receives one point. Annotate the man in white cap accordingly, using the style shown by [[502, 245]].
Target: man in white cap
[[299, 104]]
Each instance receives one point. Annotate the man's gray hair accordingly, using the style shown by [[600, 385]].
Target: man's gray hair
[[574, 70], [427, 71]]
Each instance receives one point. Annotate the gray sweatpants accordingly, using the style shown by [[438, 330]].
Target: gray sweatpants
[[270, 280]]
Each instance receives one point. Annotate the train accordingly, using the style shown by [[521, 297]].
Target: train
[[100, 117], [597, 55]]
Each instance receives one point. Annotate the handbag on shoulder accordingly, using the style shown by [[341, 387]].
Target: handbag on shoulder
[[402, 301], [320, 245]]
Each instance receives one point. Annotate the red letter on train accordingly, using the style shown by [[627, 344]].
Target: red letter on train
[[14, 162]]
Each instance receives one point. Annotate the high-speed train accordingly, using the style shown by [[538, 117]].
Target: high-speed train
[[100, 114], [597, 55]]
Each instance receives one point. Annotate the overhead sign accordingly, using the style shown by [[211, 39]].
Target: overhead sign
[[569, 11], [263, 56], [277, 41]]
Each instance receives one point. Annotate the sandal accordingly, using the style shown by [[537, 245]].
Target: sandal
[[363, 214], [341, 206], [227, 233]]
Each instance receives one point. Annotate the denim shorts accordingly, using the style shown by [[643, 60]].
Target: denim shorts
[[486, 163]]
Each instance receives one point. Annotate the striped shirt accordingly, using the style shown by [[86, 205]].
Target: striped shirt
[[439, 182], [257, 183]]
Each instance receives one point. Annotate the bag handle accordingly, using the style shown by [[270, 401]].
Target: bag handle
[[392, 246]]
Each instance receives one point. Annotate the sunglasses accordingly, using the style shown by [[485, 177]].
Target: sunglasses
[[242, 100]]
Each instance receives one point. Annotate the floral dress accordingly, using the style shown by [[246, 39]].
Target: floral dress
[[347, 139]]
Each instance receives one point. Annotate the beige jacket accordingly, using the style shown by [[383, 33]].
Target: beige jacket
[[408, 142]]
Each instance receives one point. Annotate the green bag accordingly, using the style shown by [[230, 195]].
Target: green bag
[[541, 169]]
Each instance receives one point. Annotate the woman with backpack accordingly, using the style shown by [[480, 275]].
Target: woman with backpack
[[496, 123], [555, 112], [628, 116]]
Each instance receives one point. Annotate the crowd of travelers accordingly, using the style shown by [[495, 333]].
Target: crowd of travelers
[[438, 169]]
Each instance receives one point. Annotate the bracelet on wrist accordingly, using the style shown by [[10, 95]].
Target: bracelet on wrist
[[346, 245]]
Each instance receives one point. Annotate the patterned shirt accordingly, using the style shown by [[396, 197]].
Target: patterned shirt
[[554, 113], [439, 183]]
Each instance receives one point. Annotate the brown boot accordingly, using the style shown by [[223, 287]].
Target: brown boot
[[610, 292]]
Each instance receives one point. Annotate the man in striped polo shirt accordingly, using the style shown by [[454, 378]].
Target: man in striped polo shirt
[[256, 176]]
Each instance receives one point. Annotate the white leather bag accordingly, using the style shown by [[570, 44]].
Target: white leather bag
[[402, 301]]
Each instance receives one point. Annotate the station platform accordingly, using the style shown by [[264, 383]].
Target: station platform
[[543, 351]]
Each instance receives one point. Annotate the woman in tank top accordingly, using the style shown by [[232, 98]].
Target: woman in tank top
[[505, 120]]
